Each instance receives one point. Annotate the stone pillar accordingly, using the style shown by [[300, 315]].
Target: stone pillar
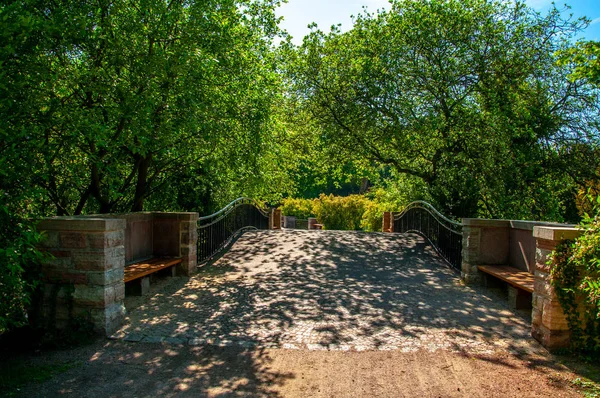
[[85, 277], [275, 219], [189, 243], [289, 222], [311, 223], [548, 324], [485, 242], [176, 235], [388, 222]]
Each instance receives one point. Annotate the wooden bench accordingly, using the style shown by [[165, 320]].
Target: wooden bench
[[318, 226], [520, 283], [139, 274]]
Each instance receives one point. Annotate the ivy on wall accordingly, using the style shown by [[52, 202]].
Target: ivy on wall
[[576, 281]]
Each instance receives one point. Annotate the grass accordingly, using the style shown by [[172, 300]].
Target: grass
[[588, 374], [14, 374], [589, 388]]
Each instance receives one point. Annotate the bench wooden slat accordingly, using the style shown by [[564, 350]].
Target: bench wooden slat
[[514, 276], [143, 268]]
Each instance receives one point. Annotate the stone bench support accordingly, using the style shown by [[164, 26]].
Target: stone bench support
[[485, 242]]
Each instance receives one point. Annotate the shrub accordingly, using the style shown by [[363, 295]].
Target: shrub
[[299, 208], [576, 279], [340, 212], [372, 219], [19, 272]]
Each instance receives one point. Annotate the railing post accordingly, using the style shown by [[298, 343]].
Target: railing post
[[388, 221], [275, 219]]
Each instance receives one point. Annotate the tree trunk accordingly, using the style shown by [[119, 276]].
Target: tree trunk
[[141, 187]]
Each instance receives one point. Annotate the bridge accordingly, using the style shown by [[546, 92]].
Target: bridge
[[417, 285], [328, 290]]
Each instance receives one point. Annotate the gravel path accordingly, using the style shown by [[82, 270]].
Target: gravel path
[[327, 290]]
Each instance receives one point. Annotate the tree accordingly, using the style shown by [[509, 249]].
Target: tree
[[583, 59], [115, 100], [463, 95]]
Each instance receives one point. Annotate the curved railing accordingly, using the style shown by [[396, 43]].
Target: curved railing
[[444, 234], [217, 230]]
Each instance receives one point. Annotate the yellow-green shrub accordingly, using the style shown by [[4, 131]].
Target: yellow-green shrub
[[372, 219], [340, 212], [380, 201], [299, 208]]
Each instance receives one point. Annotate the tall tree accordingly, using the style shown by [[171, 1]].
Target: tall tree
[[114, 100], [463, 95]]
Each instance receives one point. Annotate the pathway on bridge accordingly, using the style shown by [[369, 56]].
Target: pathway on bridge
[[328, 290]]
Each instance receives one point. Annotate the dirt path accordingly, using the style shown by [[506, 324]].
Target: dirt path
[[121, 369]]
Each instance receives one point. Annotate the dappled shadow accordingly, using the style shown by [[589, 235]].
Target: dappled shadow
[[120, 369], [333, 290]]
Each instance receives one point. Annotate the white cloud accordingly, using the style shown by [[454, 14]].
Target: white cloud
[[595, 21]]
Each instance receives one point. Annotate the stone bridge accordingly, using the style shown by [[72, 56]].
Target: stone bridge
[[310, 289], [327, 290]]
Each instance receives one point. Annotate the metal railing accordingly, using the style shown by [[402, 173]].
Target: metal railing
[[217, 230], [444, 234]]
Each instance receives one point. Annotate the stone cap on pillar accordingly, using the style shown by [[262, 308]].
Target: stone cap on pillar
[[182, 216], [556, 233], [485, 222], [80, 223]]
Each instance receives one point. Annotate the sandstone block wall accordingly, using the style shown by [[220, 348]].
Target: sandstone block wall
[[485, 242], [85, 278], [548, 324]]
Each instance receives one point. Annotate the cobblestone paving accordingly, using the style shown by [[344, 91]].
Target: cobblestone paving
[[327, 290]]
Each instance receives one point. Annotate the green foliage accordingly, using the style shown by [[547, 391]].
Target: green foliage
[[576, 279], [382, 200], [372, 218], [108, 106], [340, 212], [299, 208], [589, 388], [16, 373], [463, 96], [19, 273], [584, 58]]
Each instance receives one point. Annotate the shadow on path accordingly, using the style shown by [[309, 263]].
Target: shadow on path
[[329, 290]]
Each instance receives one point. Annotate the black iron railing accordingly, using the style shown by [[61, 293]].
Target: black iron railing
[[444, 234], [216, 231]]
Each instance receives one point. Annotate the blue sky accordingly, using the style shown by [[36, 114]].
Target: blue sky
[[299, 13]]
